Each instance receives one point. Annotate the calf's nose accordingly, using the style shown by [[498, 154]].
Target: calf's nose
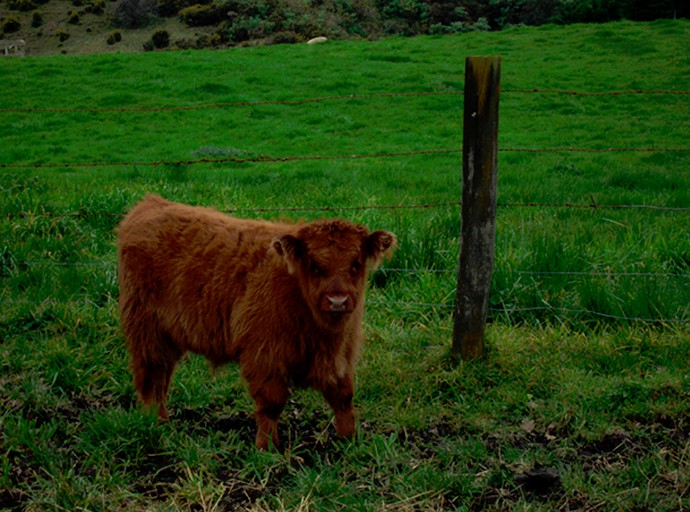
[[337, 302]]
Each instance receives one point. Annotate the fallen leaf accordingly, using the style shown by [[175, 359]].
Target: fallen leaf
[[528, 425]]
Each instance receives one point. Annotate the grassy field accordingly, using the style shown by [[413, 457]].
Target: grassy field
[[583, 399]]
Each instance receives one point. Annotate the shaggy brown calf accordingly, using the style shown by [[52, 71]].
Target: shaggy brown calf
[[285, 300]]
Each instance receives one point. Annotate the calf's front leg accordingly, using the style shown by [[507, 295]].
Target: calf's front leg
[[339, 396], [270, 397]]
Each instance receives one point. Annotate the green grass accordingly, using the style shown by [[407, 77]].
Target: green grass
[[585, 373]]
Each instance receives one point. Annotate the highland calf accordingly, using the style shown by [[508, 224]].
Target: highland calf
[[285, 300]]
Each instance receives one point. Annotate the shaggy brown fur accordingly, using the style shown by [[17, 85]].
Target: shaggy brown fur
[[285, 300]]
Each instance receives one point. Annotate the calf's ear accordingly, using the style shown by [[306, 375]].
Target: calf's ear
[[290, 248], [379, 245]]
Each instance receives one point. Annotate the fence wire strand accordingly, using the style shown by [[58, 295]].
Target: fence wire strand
[[86, 300], [395, 270], [323, 99], [304, 158], [333, 209]]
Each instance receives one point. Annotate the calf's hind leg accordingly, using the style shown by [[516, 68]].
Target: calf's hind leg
[[152, 381], [154, 357]]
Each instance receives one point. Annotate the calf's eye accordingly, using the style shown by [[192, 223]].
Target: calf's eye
[[356, 267], [315, 270]]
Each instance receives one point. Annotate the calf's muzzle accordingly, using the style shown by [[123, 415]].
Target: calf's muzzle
[[337, 303]]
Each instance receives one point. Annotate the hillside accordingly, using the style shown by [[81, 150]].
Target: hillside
[[91, 33], [50, 27]]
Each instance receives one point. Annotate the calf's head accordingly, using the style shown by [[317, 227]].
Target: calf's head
[[330, 260]]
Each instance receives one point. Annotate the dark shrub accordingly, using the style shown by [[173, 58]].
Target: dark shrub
[[200, 15], [210, 41], [62, 35], [184, 44], [134, 13], [406, 17], [22, 5], [170, 8], [287, 37], [160, 39], [11, 24], [114, 37], [244, 29], [36, 19], [95, 7], [447, 12], [73, 18]]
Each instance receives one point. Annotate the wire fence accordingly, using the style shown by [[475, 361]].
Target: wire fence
[[333, 209], [293, 158], [305, 101], [260, 159], [304, 158]]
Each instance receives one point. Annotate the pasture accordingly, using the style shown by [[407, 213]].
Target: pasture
[[583, 399]]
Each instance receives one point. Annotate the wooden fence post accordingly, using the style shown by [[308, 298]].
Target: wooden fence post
[[479, 179]]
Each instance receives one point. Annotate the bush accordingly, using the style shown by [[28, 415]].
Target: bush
[[201, 15], [216, 39], [481, 25], [22, 5], [287, 37], [406, 17], [445, 13], [134, 13], [36, 19], [502, 13], [359, 17], [62, 35], [169, 8], [11, 24], [244, 29], [73, 18], [160, 39], [95, 7], [114, 37], [184, 44], [209, 41], [439, 29]]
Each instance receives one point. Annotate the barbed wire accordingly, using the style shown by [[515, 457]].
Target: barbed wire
[[107, 299], [510, 311], [587, 312], [395, 270], [596, 206], [593, 273], [269, 159], [533, 309], [326, 209], [285, 209], [344, 97], [233, 159], [633, 92], [257, 103], [298, 158], [594, 150]]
